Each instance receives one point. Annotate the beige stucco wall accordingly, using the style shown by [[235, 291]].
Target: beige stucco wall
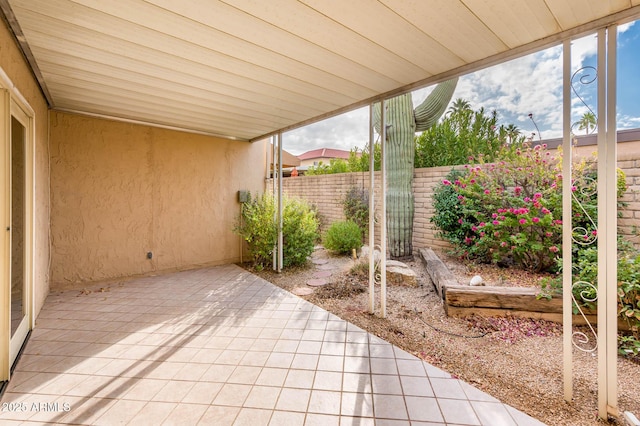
[[14, 66], [120, 190]]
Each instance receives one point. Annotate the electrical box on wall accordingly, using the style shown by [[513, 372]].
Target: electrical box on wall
[[243, 196]]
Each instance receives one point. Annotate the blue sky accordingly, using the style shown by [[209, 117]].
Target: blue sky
[[528, 85]]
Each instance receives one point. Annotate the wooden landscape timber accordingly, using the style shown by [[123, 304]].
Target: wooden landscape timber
[[491, 301], [522, 302]]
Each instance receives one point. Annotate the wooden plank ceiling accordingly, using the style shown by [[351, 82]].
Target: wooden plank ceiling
[[246, 68]]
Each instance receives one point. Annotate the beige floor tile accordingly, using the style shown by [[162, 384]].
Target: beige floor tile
[[206, 356], [153, 413], [255, 358], [324, 402], [262, 397], [383, 366], [220, 416], [447, 388], [453, 410], [145, 389], [293, 399], [328, 380], [314, 419], [330, 363], [416, 386], [121, 412], [302, 379], [410, 367], [173, 391], [286, 418], [272, 377], [427, 410], [186, 414], [217, 373], [493, 413], [88, 410], [62, 384], [305, 361], [357, 404], [232, 394], [244, 374], [356, 382], [191, 371], [202, 393], [280, 360], [390, 407]]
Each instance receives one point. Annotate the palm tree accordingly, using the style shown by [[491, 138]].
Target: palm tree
[[588, 122], [458, 106], [512, 132]]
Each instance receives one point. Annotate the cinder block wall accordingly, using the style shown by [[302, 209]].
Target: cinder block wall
[[629, 219], [327, 192]]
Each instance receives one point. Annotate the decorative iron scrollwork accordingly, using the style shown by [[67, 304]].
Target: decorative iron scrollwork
[[584, 77]]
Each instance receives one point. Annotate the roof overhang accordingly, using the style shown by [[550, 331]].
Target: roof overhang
[[245, 69]]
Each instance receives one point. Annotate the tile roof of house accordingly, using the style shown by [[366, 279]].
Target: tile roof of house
[[324, 153]]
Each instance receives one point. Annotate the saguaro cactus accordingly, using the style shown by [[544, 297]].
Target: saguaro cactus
[[402, 123]]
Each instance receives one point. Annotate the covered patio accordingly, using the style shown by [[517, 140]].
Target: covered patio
[[222, 346], [130, 128]]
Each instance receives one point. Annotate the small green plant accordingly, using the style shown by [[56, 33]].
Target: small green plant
[[628, 345], [258, 228], [336, 165], [300, 231], [343, 237], [356, 207], [453, 224]]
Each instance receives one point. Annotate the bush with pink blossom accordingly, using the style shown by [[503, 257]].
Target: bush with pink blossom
[[511, 210]]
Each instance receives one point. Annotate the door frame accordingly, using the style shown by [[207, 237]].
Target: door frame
[[12, 103]]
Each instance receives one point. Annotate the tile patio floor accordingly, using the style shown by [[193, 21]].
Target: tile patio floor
[[220, 346]]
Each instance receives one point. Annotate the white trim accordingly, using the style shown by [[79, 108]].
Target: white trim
[[6, 82], [607, 226], [372, 215], [5, 247], [567, 261], [14, 104], [280, 218], [383, 211]]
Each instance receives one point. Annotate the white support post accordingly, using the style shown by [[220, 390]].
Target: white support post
[[567, 280], [372, 215], [274, 194], [607, 225], [612, 223], [383, 211], [280, 218]]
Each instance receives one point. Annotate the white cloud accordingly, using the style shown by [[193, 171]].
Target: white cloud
[[628, 122], [342, 132]]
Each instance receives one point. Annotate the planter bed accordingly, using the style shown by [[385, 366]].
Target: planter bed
[[491, 301]]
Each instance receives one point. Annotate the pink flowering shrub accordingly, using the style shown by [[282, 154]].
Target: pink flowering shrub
[[510, 212], [511, 204]]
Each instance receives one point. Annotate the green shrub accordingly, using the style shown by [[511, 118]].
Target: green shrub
[[356, 207], [300, 231], [463, 135], [343, 237], [258, 229], [452, 224], [336, 165], [510, 211]]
